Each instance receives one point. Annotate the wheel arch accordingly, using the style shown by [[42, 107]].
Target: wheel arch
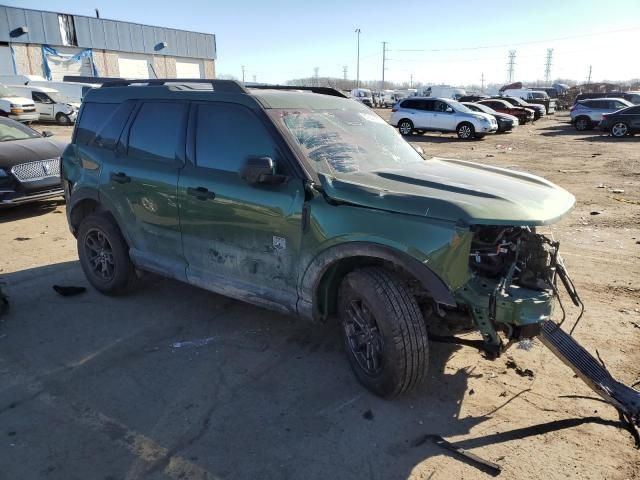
[[321, 280], [85, 202]]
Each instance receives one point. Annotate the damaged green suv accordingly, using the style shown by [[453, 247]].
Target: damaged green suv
[[306, 202]]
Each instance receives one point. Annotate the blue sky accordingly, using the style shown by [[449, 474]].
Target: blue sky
[[277, 41]]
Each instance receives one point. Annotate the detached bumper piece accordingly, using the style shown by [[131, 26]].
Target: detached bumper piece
[[591, 371]]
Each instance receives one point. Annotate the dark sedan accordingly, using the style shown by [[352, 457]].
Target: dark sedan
[[506, 122], [523, 115], [621, 123], [29, 164]]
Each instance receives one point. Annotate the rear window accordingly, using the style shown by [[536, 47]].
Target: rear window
[[92, 118]]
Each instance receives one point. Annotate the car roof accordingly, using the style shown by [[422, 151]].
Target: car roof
[[601, 98], [35, 87]]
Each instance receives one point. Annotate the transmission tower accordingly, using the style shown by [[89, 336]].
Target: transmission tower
[[511, 64], [589, 77], [482, 82], [344, 72], [315, 76], [547, 66]]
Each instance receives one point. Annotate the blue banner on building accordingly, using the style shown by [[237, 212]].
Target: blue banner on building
[[50, 54]]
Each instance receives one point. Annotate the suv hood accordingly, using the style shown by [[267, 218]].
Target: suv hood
[[454, 190]]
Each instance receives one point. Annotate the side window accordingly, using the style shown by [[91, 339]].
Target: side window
[[440, 106], [92, 117], [409, 104], [427, 105], [109, 134], [155, 131], [218, 144], [39, 97], [633, 111]]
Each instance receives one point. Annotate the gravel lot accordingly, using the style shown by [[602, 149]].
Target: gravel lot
[[175, 382]]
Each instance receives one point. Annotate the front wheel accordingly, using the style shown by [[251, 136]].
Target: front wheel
[[63, 119], [104, 255], [405, 127], [619, 129], [465, 131], [384, 332]]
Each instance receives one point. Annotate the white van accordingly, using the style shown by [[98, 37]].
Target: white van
[[14, 106], [441, 91], [50, 104], [75, 91], [388, 98], [363, 95]]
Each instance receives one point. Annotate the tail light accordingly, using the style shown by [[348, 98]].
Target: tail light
[[394, 109]]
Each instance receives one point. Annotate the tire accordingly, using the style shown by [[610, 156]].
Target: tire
[[583, 123], [104, 255], [63, 119], [405, 126], [465, 131], [619, 129], [390, 356]]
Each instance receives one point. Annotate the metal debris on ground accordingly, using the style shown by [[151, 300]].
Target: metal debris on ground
[[485, 465], [69, 291], [523, 372], [595, 212]]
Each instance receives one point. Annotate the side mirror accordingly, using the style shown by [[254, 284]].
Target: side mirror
[[449, 110], [260, 170], [47, 133]]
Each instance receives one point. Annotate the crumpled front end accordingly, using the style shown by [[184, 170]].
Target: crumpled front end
[[514, 283]]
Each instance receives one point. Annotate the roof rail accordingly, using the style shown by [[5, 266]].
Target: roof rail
[[320, 90], [229, 86]]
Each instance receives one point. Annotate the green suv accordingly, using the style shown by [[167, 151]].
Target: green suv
[[306, 202]]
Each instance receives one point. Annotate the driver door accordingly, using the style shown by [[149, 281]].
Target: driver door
[[44, 105], [443, 118]]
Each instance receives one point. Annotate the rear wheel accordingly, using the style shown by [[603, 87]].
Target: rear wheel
[[465, 131], [405, 127], [104, 255], [619, 129], [384, 332], [583, 123], [63, 119]]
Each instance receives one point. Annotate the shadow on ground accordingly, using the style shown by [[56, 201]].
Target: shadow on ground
[[28, 210], [175, 382]]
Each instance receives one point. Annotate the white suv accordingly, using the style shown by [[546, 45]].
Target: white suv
[[422, 114]]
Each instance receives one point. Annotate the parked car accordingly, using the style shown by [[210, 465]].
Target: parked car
[[506, 123], [315, 208], [74, 91], [16, 107], [388, 98], [633, 97], [363, 95], [535, 97], [538, 110], [472, 98], [586, 114], [424, 114], [50, 104], [29, 164], [623, 122], [524, 115]]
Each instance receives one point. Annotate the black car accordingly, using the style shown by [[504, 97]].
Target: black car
[[621, 123], [506, 122], [29, 164], [472, 98], [633, 97]]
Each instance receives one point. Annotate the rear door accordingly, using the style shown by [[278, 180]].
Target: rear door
[[140, 183], [631, 117], [238, 238]]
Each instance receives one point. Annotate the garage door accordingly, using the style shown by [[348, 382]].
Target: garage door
[[6, 63], [135, 66], [65, 64], [189, 68]]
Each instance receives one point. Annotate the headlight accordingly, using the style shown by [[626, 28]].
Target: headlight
[[14, 105]]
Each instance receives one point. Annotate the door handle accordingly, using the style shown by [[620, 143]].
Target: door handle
[[201, 193], [120, 177]]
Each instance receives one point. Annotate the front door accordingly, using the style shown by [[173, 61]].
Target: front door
[[239, 239], [140, 183], [443, 118], [44, 105]]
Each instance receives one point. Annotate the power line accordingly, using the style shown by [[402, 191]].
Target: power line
[[504, 45]]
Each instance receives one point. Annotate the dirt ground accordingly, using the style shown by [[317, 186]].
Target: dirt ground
[[173, 382]]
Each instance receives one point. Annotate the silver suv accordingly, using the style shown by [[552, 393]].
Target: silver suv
[[586, 114], [422, 114]]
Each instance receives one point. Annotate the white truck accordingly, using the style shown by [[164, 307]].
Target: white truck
[[50, 104], [73, 90], [363, 95], [14, 106], [441, 91]]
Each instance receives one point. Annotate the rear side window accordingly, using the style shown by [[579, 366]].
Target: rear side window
[[93, 116], [409, 104], [218, 144], [108, 136], [155, 131]]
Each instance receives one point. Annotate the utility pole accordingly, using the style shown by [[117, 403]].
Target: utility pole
[[344, 72], [358, 60], [547, 67], [411, 81], [243, 69], [482, 82], [315, 76], [384, 59], [511, 64], [589, 77], [254, 79]]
